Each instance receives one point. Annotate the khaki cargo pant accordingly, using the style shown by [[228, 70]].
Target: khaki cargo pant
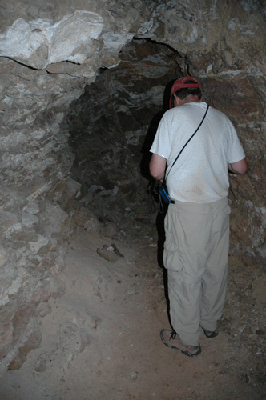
[[196, 259]]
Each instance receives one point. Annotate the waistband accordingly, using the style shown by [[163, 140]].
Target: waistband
[[216, 205]]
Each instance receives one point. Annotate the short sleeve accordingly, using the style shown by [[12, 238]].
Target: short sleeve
[[235, 150], [161, 144]]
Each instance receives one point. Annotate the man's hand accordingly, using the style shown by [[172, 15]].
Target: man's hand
[[157, 167], [239, 167]]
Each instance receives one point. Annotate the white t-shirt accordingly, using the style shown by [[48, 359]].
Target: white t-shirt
[[200, 174]]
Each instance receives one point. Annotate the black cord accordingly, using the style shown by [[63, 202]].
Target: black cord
[[188, 141]]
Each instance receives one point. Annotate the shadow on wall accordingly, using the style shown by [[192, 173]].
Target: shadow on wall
[[144, 165], [108, 126]]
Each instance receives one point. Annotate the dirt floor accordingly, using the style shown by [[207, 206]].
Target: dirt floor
[[101, 338]]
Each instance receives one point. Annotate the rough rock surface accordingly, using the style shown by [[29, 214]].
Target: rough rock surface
[[51, 53]]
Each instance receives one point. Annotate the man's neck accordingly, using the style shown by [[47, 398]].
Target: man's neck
[[191, 98]]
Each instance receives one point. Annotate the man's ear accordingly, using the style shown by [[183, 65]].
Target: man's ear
[[201, 100], [178, 101]]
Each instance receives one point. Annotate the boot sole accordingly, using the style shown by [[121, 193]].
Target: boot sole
[[187, 353], [213, 334]]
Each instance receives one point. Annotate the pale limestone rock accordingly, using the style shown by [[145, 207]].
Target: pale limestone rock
[[92, 224], [113, 42], [40, 363], [36, 246], [8, 222], [3, 256], [72, 36], [57, 287], [39, 43], [28, 220], [11, 291], [21, 42], [72, 189], [108, 255], [44, 309], [109, 230]]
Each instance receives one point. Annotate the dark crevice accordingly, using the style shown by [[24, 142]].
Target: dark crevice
[[113, 124], [23, 64]]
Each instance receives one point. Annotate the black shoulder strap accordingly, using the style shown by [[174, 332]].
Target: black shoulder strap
[[188, 140]]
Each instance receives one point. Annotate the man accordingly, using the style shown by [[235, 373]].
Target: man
[[197, 220]]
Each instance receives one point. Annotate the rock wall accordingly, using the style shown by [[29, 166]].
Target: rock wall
[[51, 53]]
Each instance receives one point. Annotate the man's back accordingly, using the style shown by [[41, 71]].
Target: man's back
[[201, 173]]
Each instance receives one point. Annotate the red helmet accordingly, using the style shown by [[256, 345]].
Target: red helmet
[[186, 82]]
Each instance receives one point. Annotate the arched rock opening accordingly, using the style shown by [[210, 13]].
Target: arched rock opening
[[113, 123]]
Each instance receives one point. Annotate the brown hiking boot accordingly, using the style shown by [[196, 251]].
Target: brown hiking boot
[[171, 339], [210, 334]]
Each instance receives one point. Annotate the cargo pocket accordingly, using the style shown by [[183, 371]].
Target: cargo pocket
[[171, 254], [227, 210]]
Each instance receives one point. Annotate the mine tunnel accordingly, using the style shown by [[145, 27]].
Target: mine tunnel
[[83, 91], [113, 124]]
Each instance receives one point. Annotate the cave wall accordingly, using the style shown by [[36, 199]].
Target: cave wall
[[51, 54]]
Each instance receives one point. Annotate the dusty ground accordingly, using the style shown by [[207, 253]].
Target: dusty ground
[[101, 339]]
